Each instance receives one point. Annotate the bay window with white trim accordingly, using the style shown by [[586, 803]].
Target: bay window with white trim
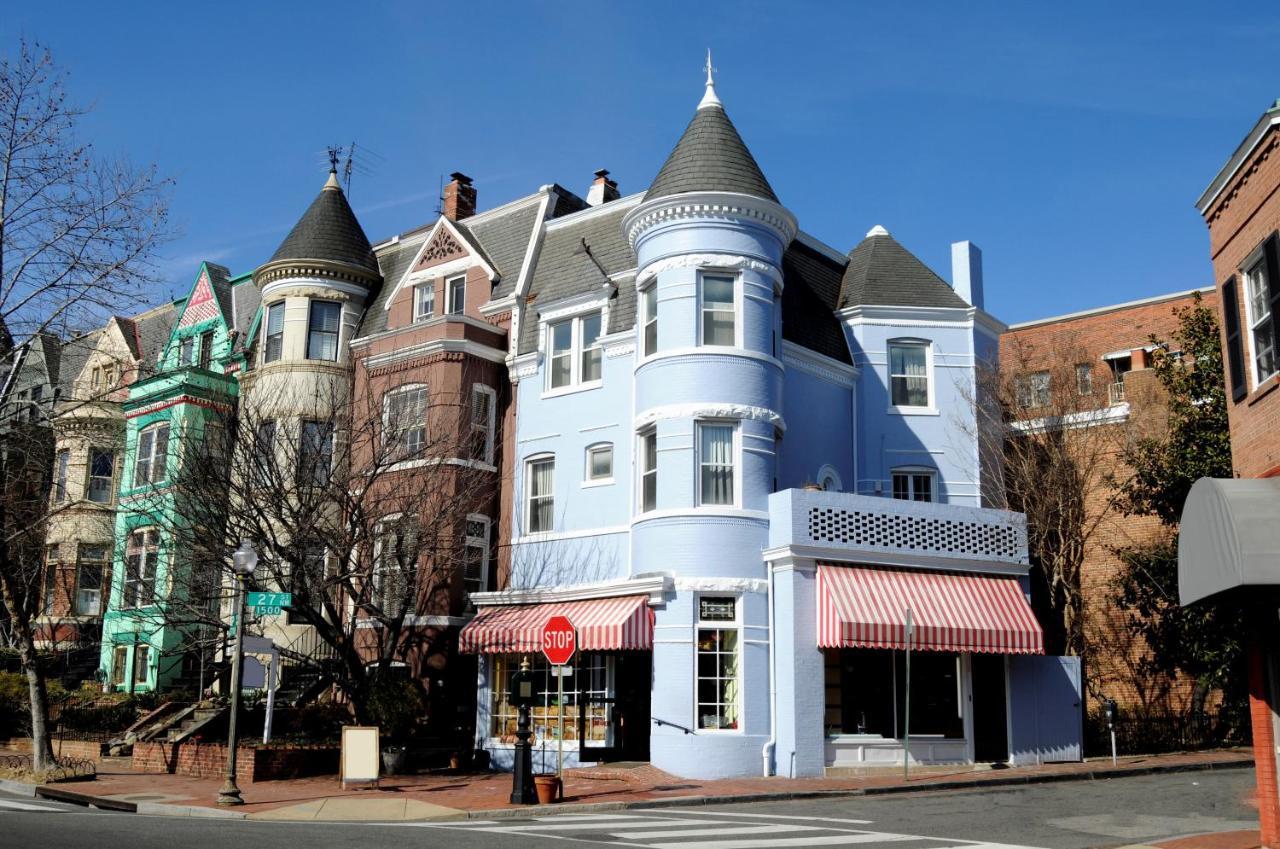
[[718, 673], [574, 354], [540, 504], [909, 378], [717, 463]]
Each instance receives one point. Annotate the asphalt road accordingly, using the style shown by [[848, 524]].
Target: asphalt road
[[1072, 815]]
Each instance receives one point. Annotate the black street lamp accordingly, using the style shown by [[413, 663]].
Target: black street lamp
[[243, 561]]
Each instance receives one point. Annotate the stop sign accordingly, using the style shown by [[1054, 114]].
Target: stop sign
[[559, 641]]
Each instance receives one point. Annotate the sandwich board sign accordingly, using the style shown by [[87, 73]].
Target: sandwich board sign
[[361, 755]]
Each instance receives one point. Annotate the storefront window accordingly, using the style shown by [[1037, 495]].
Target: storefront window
[[590, 685], [866, 693], [718, 640]]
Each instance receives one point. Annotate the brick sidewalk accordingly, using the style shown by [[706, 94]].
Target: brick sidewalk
[[440, 796]]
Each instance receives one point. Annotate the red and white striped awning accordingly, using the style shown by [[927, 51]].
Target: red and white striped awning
[[866, 607], [622, 623]]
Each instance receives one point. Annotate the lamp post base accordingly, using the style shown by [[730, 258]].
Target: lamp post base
[[229, 794]]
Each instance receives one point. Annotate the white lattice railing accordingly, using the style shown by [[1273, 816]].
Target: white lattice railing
[[860, 523]]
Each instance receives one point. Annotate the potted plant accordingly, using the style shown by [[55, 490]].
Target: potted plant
[[394, 705]]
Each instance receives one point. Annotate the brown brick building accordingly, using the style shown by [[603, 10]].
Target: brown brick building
[[1241, 207], [1089, 372]]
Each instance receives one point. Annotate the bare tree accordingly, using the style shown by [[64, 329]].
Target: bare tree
[[1049, 424], [365, 507], [77, 235]]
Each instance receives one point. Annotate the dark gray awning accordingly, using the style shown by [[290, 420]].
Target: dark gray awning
[[1230, 537]]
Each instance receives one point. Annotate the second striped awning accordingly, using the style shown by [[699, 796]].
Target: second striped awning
[[623, 623], [866, 607]]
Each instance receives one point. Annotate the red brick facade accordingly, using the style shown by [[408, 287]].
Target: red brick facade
[[1056, 346]]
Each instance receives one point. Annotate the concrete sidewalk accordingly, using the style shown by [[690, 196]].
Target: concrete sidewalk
[[444, 797]]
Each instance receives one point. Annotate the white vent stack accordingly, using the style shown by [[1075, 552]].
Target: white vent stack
[[966, 272]]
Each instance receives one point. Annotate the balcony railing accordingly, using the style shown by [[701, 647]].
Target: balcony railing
[[1115, 393], [875, 529]]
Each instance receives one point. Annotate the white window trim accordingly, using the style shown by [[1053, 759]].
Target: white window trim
[[493, 419], [386, 416], [576, 383], [419, 291], [450, 283], [587, 480], [483, 542], [641, 325], [526, 496], [651, 430], [735, 625], [738, 298], [931, 409], [736, 426], [916, 470], [1258, 256]]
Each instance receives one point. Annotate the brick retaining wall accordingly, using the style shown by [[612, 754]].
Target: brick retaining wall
[[209, 760]]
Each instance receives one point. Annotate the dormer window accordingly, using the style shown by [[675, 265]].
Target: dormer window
[[273, 341], [424, 301]]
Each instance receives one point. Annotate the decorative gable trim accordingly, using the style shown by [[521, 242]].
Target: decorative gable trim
[[443, 240]]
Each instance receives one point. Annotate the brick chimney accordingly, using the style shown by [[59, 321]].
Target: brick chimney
[[459, 197], [602, 189]]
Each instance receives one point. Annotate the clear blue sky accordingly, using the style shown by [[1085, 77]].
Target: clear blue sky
[[1069, 141]]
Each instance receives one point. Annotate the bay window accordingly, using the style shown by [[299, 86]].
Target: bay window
[[718, 687], [322, 330], [405, 422], [142, 552], [718, 306], [715, 463], [909, 374], [151, 455], [575, 355], [540, 512]]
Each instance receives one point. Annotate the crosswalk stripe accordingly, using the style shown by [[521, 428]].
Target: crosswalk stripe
[[770, 843], [23, 806], [710, 828], [770, 817]]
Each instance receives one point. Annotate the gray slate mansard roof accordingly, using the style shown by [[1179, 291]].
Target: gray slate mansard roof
[[710, 157], [883, 272], [328, 230]]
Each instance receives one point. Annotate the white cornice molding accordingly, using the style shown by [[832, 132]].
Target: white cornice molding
[[710, 205], [709, 410], [436, 346], [719, 261], [656, 587], [811, 362]]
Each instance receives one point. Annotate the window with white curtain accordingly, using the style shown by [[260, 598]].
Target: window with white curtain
[[715, 463], [322, 330], [909, 374], [718, 308], [540, 482]]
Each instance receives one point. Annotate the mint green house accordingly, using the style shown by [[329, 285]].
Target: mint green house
[[146, 635]]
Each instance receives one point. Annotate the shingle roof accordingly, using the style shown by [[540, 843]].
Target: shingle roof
[[329, 231], [710, 157], [566, 266], [881, 271]]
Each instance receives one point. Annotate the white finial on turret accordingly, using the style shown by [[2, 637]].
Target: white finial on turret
[[710, 99]]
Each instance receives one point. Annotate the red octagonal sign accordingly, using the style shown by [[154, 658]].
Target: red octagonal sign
[[559, 641]]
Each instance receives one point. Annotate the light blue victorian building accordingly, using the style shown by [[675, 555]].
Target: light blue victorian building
[[742, 462]]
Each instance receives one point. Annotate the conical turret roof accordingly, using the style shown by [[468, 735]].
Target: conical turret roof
[[328, 231], [710, 157]]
